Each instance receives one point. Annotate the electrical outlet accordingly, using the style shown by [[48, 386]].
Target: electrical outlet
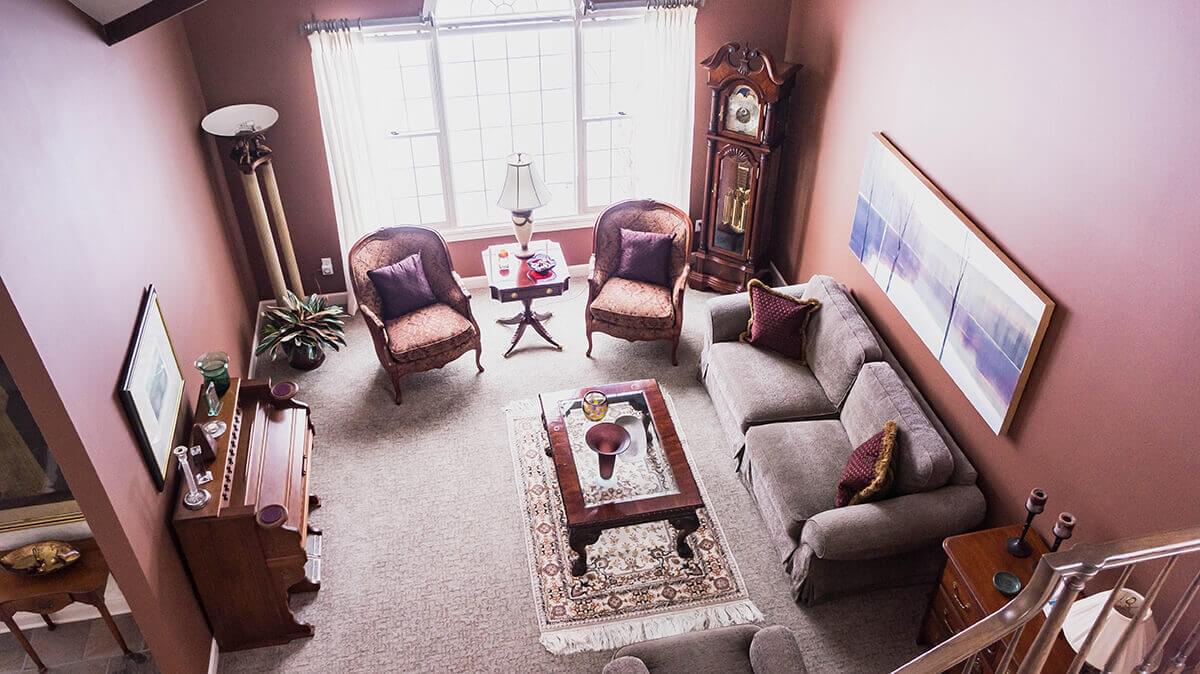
[[326, 266]]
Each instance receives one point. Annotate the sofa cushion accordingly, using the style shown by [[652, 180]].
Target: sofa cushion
[[777, 321], [868, 474], [922, 461], [839, 340], [724, 650], [634, 304], [761, 386], [428, 332], [792, 469]]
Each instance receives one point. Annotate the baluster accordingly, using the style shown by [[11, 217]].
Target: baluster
[[1123, 642], [1154, 657], [1101, 619], [1010, 652], [1184, 652], [1067, 591]]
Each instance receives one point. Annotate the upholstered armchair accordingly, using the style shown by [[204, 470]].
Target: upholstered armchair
[[636, 310], [427, 338]]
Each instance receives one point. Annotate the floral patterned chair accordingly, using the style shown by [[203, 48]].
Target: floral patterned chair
[[635, 310], [427, 338]]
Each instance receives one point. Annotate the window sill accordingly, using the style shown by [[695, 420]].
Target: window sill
[[493, 231]]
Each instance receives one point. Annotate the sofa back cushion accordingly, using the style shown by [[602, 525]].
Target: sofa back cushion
[[839, 341], [922, 460]]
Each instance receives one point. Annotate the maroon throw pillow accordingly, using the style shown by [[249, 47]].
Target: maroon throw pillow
[[402, 287], [778, 321], [868, 473], [645, 256]]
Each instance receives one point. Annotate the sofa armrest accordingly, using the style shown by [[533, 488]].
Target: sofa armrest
[[626, 664], [728, 315], [774, 651], [894, 525]]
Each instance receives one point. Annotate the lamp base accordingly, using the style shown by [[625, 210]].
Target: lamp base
[[523, 254], [523, 229]]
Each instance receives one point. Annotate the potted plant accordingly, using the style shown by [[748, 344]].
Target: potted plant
[[302, 328]]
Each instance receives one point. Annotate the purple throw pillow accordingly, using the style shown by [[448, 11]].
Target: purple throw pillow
[[778, 322], [645, 256], [402, 287]]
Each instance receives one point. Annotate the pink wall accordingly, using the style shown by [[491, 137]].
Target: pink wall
[[106, 188], [252, 51], [1067, 131]]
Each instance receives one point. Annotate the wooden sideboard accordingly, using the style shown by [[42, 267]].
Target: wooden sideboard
[[966, 595], [251, 546]]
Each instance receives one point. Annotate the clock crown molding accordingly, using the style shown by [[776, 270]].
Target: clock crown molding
[[735, 60]]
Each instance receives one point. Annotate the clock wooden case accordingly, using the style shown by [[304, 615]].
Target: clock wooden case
[[745, 132]]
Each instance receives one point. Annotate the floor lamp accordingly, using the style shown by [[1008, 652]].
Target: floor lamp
[[246, 123]]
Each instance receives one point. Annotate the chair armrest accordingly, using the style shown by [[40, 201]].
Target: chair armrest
[[373, 323], [626, 664], [596, 278], [894, 525], [680, 284], [774, 651], [462, 287]]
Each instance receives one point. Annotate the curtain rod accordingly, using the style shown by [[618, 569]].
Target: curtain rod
[[591, 7]]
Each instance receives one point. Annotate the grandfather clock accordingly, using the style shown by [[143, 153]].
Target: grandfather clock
[[745, 131]]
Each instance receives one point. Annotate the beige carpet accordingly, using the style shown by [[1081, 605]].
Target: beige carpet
[[424, 558]]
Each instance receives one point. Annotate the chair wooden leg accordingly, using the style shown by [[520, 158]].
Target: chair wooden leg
[[675, 351], [589, 336], [479, 357], [396, 386]]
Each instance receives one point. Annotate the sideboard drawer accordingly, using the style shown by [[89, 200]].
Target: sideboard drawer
[[961, 600]]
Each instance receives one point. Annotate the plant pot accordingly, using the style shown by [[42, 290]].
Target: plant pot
[[303, 359]]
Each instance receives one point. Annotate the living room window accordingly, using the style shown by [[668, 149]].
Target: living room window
[[447, 100]]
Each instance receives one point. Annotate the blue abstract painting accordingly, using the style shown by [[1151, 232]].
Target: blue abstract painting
[[979, 314]]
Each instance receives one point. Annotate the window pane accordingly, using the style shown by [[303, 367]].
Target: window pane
[[397, 88], [409, 180], [609, 68], [457, 9]]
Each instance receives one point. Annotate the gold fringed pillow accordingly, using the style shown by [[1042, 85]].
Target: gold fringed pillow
[[777, 321], [868, 474]]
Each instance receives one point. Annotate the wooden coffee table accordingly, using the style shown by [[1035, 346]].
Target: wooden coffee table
[[514, 284], [654, 483]]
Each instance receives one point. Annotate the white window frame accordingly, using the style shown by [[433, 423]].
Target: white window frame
[[429, 28]]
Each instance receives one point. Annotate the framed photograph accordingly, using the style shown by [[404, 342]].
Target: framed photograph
[[979, 314], [152, 387]]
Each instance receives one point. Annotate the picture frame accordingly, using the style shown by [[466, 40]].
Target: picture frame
[[151, 388], [981, 316]]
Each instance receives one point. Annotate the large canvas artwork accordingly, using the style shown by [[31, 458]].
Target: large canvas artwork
[[978, 313]]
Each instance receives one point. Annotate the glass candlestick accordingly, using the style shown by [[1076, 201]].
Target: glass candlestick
[[214, 365]]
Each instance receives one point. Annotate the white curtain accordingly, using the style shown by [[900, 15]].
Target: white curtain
[[336, 56], [664, 111]]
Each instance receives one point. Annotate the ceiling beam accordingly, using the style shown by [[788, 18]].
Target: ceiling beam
[[149, 14]]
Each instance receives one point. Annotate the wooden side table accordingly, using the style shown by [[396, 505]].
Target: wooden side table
[[966, 595], [83, 582], [513, 283]]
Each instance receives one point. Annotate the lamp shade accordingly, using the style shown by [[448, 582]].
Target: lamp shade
[[523, 187], [235, 120], [1082, 617]]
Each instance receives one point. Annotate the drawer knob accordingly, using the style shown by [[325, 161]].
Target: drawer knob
[[958, 599]]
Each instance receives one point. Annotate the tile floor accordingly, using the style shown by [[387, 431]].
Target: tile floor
[[79, 647]]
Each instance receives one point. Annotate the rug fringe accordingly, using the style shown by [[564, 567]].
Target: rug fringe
[[614, 635]]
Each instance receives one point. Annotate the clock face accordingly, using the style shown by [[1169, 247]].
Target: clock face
[[743, 112]]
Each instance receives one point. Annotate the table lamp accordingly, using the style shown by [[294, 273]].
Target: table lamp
[[247, 122], [523, 191], [1083, 616]]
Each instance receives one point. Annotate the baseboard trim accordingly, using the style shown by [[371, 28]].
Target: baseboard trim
[[214, 657]]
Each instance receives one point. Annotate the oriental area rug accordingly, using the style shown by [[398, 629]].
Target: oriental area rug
[[637, 587]]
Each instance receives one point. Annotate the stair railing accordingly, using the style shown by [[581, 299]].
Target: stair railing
[[1062, 576]]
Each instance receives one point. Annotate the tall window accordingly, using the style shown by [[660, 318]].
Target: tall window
[[448, 101]]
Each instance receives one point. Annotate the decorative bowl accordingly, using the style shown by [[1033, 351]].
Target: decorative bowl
[[541, 263], [607, 440], [40, 559]]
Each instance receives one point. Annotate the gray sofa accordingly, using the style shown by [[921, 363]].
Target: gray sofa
[[792, 427], [741, 649]]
